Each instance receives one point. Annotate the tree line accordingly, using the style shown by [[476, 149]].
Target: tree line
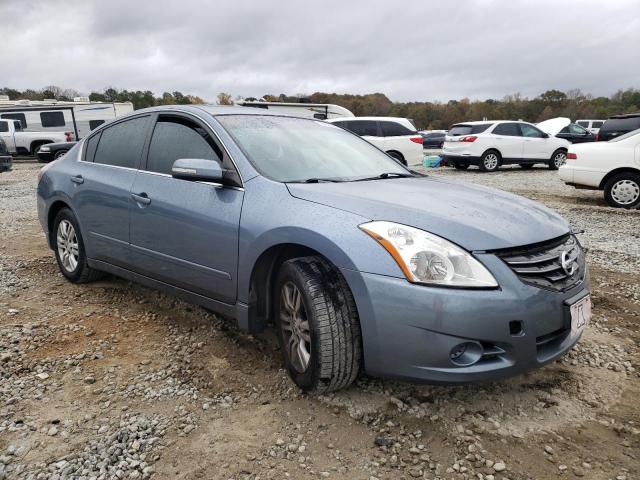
[[426, 115]]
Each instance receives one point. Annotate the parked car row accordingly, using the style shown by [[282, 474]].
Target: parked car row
[[20, 142]]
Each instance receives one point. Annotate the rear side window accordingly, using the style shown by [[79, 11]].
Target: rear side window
[[621, 124], [93, 124], [52, 119], [175, 138], [457, 130], [4, 127], [90, 149], [393, 129], [508, 129], [121, 145], [16, 116], [362, 127]]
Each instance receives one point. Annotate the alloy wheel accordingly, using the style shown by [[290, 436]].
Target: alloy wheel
[[67, 243], [295, 327], [625, 192], [559, 159], [490, 161]]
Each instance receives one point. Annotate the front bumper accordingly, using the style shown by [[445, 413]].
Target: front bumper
[[6, 163], [409, 331], [46, 157]]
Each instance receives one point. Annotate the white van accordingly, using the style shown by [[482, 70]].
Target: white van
[[396, 136], [320, 111], [55, 116]]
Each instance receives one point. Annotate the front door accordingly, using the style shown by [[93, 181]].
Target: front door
[[536, 143], [185, 233]]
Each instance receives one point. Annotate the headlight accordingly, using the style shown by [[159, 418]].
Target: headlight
[[45, 149], [427, 258]]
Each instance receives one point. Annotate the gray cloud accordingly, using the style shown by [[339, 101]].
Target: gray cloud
[[433, 50]]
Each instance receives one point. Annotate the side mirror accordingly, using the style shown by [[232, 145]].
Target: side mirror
[[545, 135], [197, 169]]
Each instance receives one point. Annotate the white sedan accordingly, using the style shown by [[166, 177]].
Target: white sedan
[[612, 166]]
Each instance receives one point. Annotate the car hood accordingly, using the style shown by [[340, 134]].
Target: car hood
[[554, 125], [474, 217]]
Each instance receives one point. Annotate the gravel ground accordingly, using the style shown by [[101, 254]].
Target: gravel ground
[[111, 380]]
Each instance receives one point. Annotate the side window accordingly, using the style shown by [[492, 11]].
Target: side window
[[593, 124], [90, 149], [508, 129], [175, 138], [564, 130], [52, 119], [93, 124], [340, 124], [16, 116], [121, 145], [4, 127], [362, 127], [394, 129], [530, 131], [586, 124], [575, 129]]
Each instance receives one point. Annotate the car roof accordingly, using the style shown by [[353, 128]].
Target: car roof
[[483, 122], [351, 119], [213, 110], [627, 115]]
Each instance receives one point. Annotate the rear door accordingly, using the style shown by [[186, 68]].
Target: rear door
[[185, 233], [507, 138], [6, 134], [101, 188]]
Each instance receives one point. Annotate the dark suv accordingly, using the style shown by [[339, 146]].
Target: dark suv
[[618, 125]]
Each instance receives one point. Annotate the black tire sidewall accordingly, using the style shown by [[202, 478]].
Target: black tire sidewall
[[460, 166], [66, 214], [612, 181], [552, 162], [308, 379]]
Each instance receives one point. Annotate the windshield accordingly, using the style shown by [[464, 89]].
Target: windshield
[[288, 149], [625, 136]]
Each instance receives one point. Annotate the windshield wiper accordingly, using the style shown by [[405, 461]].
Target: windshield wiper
[[385, 175], [320, 180]]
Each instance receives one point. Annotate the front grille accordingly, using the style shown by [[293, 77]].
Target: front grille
[[556, 265]]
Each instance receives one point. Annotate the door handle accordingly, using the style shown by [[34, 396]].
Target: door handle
[[142, 198], [77, 179]]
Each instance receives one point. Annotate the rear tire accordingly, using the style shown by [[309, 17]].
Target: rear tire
[[318, 325], [398, 156], [623, 190], [69, 249], [557, 159], [490, 161], [460, 166]]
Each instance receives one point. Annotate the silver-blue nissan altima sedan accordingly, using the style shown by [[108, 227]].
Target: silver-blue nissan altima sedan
[[362, 264]]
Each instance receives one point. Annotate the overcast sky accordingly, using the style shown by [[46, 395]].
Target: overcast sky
[[410, 50]]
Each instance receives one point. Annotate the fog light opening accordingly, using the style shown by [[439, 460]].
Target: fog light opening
[[466, 354]]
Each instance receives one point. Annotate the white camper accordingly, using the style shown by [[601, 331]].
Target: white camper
[[321, 111], [61, 116]]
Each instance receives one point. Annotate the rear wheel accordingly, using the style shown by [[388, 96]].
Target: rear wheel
[[557, 159], [398, 156], [69, 249], [623, 190], [318, 326], [490, 161], [461, 166]]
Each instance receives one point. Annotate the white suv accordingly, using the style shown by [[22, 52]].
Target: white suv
[[490, 144], [396, 136]]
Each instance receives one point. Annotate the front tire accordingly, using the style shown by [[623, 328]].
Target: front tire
[[557, 159], [69, 249], [623, 190], [490, 161], [318, 325]]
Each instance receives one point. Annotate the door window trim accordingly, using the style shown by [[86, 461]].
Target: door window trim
[[202, 123]]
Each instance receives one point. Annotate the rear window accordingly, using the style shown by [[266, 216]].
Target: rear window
[[457, 130], [621, 124], [594, 124]]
